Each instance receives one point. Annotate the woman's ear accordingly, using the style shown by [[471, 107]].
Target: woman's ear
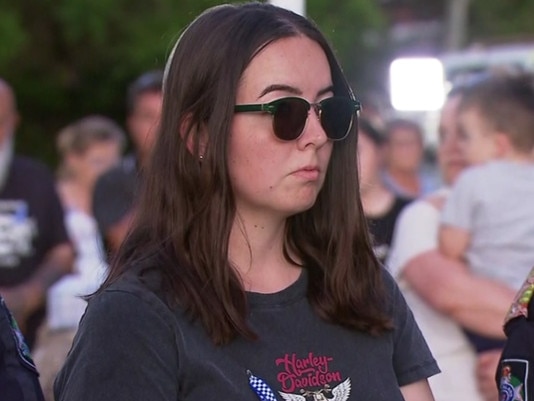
[[195, 136]]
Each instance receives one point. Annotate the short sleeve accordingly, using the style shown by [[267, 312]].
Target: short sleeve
[[125, 349], [514, 370], [459, 208], [412, 359], [44, 202], [416, 232], [19, 380]]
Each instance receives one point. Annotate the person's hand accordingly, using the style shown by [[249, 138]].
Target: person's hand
[[486, 367]]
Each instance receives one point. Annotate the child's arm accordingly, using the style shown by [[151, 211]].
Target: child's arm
[[453, 241], [458, 216]]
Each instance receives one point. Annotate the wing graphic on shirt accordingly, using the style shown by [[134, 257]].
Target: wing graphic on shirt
[[292, 397], [342, 391]]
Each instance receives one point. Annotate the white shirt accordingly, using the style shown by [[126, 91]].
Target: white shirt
[[65, 307], [416, 232]]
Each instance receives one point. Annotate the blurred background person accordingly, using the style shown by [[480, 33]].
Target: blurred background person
[[442, 293], [88, 148], [405, 171], [488, 219], [114, 193], [35, 250], [380, 204]]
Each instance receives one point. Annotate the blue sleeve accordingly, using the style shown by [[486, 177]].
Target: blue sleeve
[[514, 373], [18, 375]]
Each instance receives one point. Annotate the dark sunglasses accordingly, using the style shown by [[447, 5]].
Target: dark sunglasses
[[291, 113]]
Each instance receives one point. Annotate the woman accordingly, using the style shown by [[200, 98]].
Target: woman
[[87, 147], [248, 273], [441, 292], [406, 172], [380, 204]]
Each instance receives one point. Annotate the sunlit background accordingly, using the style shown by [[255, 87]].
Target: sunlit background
[[69, 58]]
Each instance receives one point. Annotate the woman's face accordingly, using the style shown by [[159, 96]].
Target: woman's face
[[450, 156], [270, 176], [370, 162], [143, 122], [404, 149], [97, 158]]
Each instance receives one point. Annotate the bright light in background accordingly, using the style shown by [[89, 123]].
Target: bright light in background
[[297, 6], [416, 84]]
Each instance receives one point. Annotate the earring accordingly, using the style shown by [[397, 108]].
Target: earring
[[201, 157]]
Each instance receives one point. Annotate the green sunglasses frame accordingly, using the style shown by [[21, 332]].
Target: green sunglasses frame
[[272, 107]]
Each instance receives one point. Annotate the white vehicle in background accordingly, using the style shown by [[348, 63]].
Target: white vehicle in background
[[419, 85]]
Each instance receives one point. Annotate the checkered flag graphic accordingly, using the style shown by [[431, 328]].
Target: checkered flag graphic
[[261, 388]]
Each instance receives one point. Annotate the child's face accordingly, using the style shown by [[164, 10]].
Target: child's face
[[477, 140]]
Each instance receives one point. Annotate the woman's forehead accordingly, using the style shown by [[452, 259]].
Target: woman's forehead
[[291, 65]]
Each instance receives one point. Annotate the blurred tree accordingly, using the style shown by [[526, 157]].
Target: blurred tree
[[357, 30], [501, 20], [69, 58]]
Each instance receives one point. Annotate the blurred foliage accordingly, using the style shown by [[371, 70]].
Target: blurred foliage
[[357, 31], [499, 20], [69, 58]]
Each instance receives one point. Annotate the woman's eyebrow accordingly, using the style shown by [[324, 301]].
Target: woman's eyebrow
[[326, 90], [280, 87], [292, 90]]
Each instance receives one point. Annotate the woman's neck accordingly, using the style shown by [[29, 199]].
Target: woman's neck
[[75, 195], [256, 252], [409, 181], [376, 199]]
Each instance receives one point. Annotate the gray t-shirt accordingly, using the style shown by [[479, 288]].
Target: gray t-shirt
[[131, 346], [494, 202]]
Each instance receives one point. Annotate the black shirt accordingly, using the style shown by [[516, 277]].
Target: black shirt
[[382, 227]]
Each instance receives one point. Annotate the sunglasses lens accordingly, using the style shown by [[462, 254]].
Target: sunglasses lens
[[290, 118], [337, 114]]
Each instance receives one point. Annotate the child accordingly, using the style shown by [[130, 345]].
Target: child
[[489, 218]]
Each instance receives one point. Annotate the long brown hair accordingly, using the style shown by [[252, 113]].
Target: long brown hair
[[187, 207]]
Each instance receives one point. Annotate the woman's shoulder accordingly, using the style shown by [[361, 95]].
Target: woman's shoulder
[[420, 211], [134, 295], [394, 299]]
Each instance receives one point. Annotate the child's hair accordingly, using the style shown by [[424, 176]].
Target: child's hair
[[78, 137], [506, 103]]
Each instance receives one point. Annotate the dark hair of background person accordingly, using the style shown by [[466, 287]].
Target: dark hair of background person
[[148, 82], [403, 123], [371, 131], [187, 207], [80, 135]]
